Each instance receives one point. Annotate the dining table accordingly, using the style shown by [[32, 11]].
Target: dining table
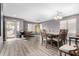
[[52, 35], [75, 38]]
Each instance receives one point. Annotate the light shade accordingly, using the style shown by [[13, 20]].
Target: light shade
[[58, 16]]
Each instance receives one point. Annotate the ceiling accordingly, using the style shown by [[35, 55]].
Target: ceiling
[[39, 12]]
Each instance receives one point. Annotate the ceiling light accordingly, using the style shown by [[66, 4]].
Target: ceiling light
[[58, 16]]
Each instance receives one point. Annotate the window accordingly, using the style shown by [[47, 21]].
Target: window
[[18, 25], [31, 27], [70, 25], [34, 27]]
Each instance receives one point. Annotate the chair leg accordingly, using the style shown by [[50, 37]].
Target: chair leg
[[65, 41], [51, 42], [42, 41], [60, 53], [65, 54], [58, 44], [46, 43]]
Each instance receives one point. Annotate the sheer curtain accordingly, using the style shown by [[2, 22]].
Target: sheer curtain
[[31, 27], [18, 25], [69, 24]]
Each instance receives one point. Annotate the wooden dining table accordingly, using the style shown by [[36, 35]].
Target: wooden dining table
[[75, 38], [52, 35]]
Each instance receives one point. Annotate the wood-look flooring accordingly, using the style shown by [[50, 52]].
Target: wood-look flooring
[[27, 47]]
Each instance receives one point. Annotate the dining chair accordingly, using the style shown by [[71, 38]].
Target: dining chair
[[61, 38], [70, 49], [44, 37], [74, 52]]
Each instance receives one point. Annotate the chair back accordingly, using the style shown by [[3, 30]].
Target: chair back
[[63, 35], [77, 34], [43, 34]]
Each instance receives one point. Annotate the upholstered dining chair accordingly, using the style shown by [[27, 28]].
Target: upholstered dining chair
[[44, 37], [61, 38], [70, 49], [74, 52]]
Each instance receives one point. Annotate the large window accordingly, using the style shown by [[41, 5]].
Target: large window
[[34, 27], [70, 25], [31, 27], [18, 25]]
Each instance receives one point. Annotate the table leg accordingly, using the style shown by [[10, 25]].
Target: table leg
[[60, 53], [51, 41], [69, 41], [42, 40], [76, 43]]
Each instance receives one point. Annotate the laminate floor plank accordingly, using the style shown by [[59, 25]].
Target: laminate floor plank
[[28, 47], [3, 50]]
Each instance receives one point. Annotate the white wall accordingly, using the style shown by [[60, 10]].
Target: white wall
[[77, 24], [51, 26], [25, 25]]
